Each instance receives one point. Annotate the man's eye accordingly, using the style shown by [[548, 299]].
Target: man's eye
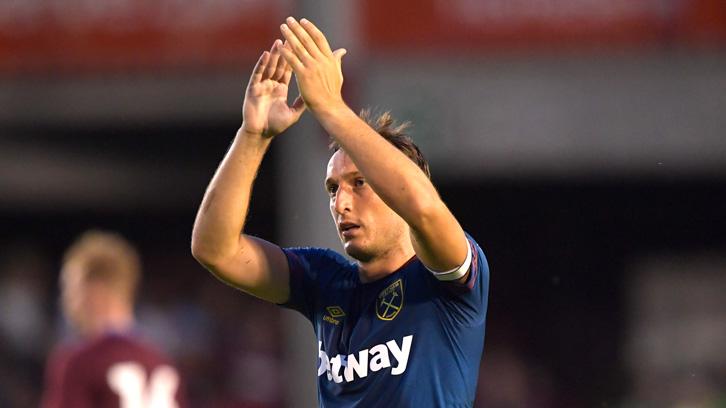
[[332, 189], [360, 183]]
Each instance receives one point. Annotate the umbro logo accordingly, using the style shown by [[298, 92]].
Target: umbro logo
[[335, 313]]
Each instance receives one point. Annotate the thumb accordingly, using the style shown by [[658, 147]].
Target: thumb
[[298, 107], [338, 54]]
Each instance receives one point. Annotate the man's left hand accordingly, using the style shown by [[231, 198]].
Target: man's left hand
[[317, 68]]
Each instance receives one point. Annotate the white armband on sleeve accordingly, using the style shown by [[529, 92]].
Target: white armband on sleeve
[[455, 273]]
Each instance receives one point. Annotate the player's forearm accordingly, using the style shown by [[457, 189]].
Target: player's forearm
[[222, 214], [438, 238], [393, 176]]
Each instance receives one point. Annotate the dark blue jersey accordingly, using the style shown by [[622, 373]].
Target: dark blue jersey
[[406, 340]]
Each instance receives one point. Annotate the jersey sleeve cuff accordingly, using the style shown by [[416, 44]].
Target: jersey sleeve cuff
[[455, 273]]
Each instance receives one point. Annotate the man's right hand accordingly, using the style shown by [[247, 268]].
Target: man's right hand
[[265, 111]]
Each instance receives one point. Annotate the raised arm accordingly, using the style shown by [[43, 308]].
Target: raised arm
[[437, 237], [248, 263]]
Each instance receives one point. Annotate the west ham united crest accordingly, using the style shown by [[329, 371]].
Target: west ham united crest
[[390, 301]]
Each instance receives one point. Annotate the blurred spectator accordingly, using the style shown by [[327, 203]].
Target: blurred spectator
[[23, 321], [24, 326], [675, 345], [110, 364], [506, 380]]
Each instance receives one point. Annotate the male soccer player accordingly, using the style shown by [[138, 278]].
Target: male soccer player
[[110, 366], [404, 325]]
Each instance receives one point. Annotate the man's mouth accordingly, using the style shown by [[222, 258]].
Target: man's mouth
[[347, 228]]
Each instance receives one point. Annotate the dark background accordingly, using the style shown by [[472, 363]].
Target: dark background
[[558, 251]]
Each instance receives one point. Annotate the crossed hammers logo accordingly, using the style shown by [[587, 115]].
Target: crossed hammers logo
[[389, 305]]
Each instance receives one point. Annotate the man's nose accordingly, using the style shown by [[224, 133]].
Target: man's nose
[[343, 201]]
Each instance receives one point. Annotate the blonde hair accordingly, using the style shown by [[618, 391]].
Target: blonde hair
[[106, 258]]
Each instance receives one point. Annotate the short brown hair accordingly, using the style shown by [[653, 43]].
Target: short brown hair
[[107, 258], [386, 126]]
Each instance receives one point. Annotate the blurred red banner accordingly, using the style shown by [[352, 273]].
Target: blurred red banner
[[67, 36], [80, 36], [415, 26]]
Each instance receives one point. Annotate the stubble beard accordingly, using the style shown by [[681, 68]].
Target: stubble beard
[[373, 249], [359, 254]]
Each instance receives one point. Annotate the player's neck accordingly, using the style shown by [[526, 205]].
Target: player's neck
[[380, 267], [113, 320]]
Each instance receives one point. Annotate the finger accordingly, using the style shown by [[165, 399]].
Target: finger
[[280, 68], [272, 61], [259, 67], [295, 45], [317, 36], [290, 57], [287, 73], [304, 37], [338, 55], [298, 107]]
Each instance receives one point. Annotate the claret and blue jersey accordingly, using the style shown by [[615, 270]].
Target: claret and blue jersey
[[402, 341]]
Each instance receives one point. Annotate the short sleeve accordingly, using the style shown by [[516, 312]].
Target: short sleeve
[[310, 268], [469, 299]]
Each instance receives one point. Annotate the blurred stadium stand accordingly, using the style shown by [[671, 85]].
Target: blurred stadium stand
[[582, 143]]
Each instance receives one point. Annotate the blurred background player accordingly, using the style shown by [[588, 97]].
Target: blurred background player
[[110, 364]]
